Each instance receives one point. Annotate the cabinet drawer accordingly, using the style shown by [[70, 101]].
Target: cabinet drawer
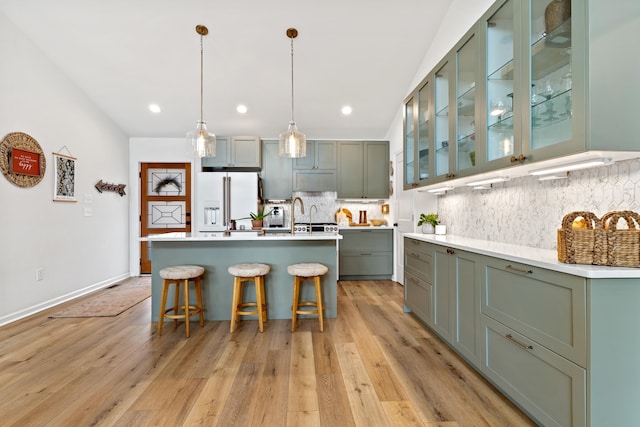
[[366, 264], [546, 306], [417, 296], [366, 240], [413, 246], [420, 265], [548, 386]]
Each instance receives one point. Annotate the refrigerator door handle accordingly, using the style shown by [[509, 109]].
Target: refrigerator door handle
[[228, 202], [224, 201]]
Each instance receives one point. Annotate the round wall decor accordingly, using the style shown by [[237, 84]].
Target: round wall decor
[[21, 159]]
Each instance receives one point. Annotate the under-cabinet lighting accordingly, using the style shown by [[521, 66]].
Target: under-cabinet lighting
[[440, 190], [488, 181], [586, 164], [482, 187], [553, 177]]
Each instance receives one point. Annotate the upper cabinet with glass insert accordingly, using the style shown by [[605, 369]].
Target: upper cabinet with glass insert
[[532, 80], [417, 136], [502, 98], [466, 102]]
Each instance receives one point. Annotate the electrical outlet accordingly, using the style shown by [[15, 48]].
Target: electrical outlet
[[39, 272]]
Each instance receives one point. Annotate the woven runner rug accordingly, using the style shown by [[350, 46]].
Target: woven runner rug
[[111, 301]]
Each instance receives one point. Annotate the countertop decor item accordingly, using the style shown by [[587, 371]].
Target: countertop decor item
[[623, 244], [292, 142], [344, 213], [581, 242], [202, 141], [428, 222], [21, 160], [377, 222]]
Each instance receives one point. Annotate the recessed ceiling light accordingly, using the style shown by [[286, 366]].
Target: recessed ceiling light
[[346, 110], [155, 108], [241, 109]]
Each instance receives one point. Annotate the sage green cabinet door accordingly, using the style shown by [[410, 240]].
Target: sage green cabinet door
[[220, 160], [366, 253], [320, 155], [417, 297], [245, 152], [409, 141], [314, 180], [350, 169], [442, 293], [376, 169], [467, 270], [235, 151], [549, 387], [276, 172]]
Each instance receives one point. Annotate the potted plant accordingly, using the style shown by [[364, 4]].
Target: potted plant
[[257, 219], [428, 222]]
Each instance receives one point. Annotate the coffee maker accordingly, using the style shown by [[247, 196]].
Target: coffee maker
[[277, 217]]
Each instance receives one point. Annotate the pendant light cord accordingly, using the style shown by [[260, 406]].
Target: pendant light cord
[[201, 77], [292, 109]]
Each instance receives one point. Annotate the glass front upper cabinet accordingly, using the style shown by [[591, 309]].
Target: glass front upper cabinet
[[550, 73], [423, 132], [466, 72], [501, 97], [409, 144], [441, 118]]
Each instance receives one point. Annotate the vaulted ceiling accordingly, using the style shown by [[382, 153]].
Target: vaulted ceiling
[[127, 54]]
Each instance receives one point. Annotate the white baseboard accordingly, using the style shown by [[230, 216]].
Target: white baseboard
[[12, 317]]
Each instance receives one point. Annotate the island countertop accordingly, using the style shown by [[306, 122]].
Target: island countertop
[[239, 235]]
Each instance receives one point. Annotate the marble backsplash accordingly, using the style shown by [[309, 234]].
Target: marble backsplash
[[326, 207], [528, 212]]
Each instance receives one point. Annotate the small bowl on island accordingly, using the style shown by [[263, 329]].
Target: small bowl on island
[[377, 222]]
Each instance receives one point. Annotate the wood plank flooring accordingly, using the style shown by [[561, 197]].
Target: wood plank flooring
[[373, 366]]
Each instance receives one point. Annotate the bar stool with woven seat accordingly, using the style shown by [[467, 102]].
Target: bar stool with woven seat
[[248, 272], [300, 273], [178, 275]]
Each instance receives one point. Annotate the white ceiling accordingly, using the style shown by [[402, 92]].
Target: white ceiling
[[126, 54]]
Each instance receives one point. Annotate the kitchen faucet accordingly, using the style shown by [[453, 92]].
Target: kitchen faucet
[[293, 215], [311, 210]]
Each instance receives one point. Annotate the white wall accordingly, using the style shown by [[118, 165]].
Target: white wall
[[77, 253], [149, 150]]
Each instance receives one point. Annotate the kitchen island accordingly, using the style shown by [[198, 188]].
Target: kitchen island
[[216, 252]]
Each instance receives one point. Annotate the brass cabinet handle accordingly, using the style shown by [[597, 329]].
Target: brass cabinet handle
[[521, 158], [369, 253], [450, 251], [519, 270], [518, 343]]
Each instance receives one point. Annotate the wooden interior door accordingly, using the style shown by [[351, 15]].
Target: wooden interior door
[[165, 203]]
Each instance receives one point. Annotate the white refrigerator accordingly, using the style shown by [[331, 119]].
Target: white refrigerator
[[225, 196]]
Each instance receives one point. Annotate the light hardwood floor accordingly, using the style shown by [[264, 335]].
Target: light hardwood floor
[[373, 366]]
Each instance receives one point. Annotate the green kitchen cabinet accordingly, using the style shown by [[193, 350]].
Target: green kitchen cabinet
[[523, 89], [317, 170], [363, 169], [418, 279], [236, 152], [366, 253], [276, 172]]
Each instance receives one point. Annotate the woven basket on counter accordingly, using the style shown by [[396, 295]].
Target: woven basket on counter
[[623, 245], [582, 245]]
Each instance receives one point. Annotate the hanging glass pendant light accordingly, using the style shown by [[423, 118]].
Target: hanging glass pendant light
[[202, 141], [292, 142]]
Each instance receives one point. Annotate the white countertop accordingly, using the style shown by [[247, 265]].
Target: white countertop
[[238, 235], [544, 258]]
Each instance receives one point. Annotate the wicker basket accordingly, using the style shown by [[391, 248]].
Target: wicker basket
[[582, 245], [623, 246]]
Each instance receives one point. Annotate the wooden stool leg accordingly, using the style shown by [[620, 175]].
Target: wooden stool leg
[[259, 301], [186, 306], [234, 303], [163, 304], [264, 299], [294, 305], [320, 307], [176, 302], [199, 298]]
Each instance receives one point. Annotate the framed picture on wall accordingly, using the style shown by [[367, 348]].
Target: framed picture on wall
[[65, 178]]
